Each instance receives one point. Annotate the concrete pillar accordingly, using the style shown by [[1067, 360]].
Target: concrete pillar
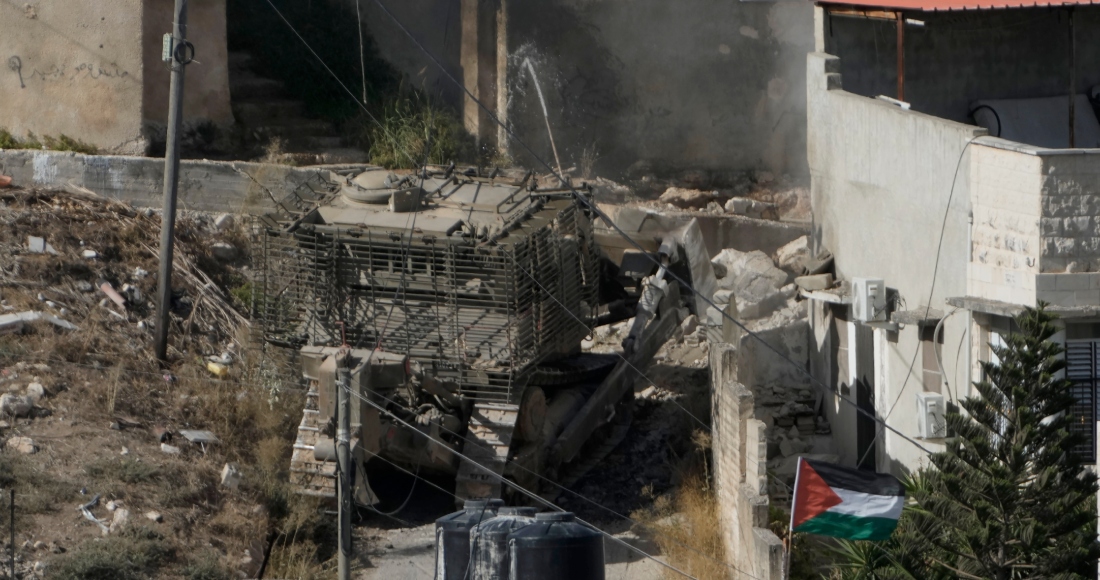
[[484, 66]]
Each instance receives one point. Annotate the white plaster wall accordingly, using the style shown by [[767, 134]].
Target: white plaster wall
[[81, 70], [882, 181], [1006, 192]]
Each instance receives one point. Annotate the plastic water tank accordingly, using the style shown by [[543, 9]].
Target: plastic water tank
[[556, 546], [452, 537], [489, 542]]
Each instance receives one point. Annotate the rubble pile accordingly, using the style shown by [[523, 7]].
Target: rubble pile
[[83, 403]]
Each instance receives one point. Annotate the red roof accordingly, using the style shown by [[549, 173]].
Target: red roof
[[947, 5]]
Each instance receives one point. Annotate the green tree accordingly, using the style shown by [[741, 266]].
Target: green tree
[[1008, 498]]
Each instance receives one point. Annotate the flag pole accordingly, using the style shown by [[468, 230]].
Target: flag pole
[[790, 523]]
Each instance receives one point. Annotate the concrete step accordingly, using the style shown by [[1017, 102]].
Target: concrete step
[[256, 113], [245, 87], [296, 128]]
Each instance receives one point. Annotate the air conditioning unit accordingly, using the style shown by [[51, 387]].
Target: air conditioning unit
[[931, 416], [868, 299]]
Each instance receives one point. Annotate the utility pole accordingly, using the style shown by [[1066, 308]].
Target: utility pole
[[176, 51], [343, 457]]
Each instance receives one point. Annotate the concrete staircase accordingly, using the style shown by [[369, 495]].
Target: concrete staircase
[[262, 106]]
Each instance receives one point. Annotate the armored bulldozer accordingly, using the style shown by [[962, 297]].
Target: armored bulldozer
[[458, 299]]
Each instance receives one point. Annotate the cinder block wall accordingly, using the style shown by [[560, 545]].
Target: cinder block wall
[[740, 457]]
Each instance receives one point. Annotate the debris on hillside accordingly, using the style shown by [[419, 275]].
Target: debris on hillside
[[79, 383]]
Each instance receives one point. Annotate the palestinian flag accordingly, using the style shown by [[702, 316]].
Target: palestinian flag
[[831, 500]]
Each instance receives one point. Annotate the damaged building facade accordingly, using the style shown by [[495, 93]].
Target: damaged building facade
[[956, 182]]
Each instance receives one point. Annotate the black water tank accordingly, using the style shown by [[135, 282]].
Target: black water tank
[[554, 547], [489, 542], [452, 537]]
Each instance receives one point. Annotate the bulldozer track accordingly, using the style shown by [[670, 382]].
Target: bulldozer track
[[582, 368]]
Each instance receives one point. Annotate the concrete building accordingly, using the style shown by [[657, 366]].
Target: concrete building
[[92, 69], [638, 86], [965, 192]]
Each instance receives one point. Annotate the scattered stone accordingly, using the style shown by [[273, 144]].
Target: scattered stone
[[125, 451], [121, 519], [224, 222], [687, 198], [37, 245], [115, 426], [14, 405], [169, 449], [794, 256], [28, 545], [90, 254], [56, 548], [714, 207], [36, 392], [113, 505], [587, 344], [815, 282], [748, 207], [40, 545], [39, 567], [722, 297], [154, 516], [14, 322], [690, 324], [649, 392], [231, 476], [217, 369], [23, 445], [603, 332], [139, 273], [223, 251]]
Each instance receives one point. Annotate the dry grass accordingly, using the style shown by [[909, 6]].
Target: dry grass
[[685, 523], [105, 371]]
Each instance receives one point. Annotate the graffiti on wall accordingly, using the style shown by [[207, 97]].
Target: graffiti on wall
[[86, 70]]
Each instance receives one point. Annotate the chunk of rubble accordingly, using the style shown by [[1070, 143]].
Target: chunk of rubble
[[749, 207], [24, 445], [231, 476], [689, 325], [120, 520], [13, 405], [795, 255], [14, 322], [37, 245], [687, 198], [36, 392], [154, 516], [815, 282], [224, 251], [224, 222]]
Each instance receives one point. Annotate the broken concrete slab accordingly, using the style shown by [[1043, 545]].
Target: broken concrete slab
[[231, 476], [201, 437], [749, 207], [690, 239], [815, 282], [154, 516], [37, 245], [794, 256], [14, 322], [687, 198]]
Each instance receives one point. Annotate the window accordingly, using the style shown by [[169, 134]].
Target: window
[[933, 378], [1083, 369]]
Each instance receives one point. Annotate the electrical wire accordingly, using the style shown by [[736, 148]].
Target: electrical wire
[[595, 210], [505, 481], [333, 74], [931, 292]]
